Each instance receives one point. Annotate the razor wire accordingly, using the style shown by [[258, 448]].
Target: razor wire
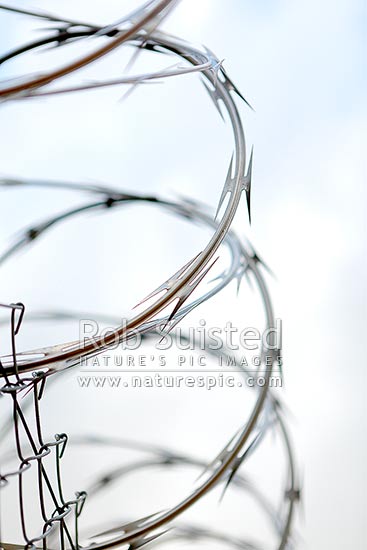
[[26, 372], [158, 457]]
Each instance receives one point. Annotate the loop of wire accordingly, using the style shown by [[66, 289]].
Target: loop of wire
[[25, 373]]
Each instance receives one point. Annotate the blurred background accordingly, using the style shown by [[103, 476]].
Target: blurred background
[[301, 66]]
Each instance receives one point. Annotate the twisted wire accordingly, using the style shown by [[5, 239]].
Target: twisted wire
[[139, 29]]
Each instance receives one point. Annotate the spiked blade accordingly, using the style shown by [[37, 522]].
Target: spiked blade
[[247, 185], [129, 527], [239, 461], [186, 292], [228, 187], [214, 97], [221, 457], [169, 283], [142, 542]]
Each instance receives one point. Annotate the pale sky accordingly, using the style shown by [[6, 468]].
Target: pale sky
[[301, 65]]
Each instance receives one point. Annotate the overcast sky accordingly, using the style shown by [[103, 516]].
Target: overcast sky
[[302, 66]]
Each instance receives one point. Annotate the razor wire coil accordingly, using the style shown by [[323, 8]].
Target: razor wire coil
[[26, 373]]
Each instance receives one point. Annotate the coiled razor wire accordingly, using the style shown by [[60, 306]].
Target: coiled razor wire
[[26, 372]]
